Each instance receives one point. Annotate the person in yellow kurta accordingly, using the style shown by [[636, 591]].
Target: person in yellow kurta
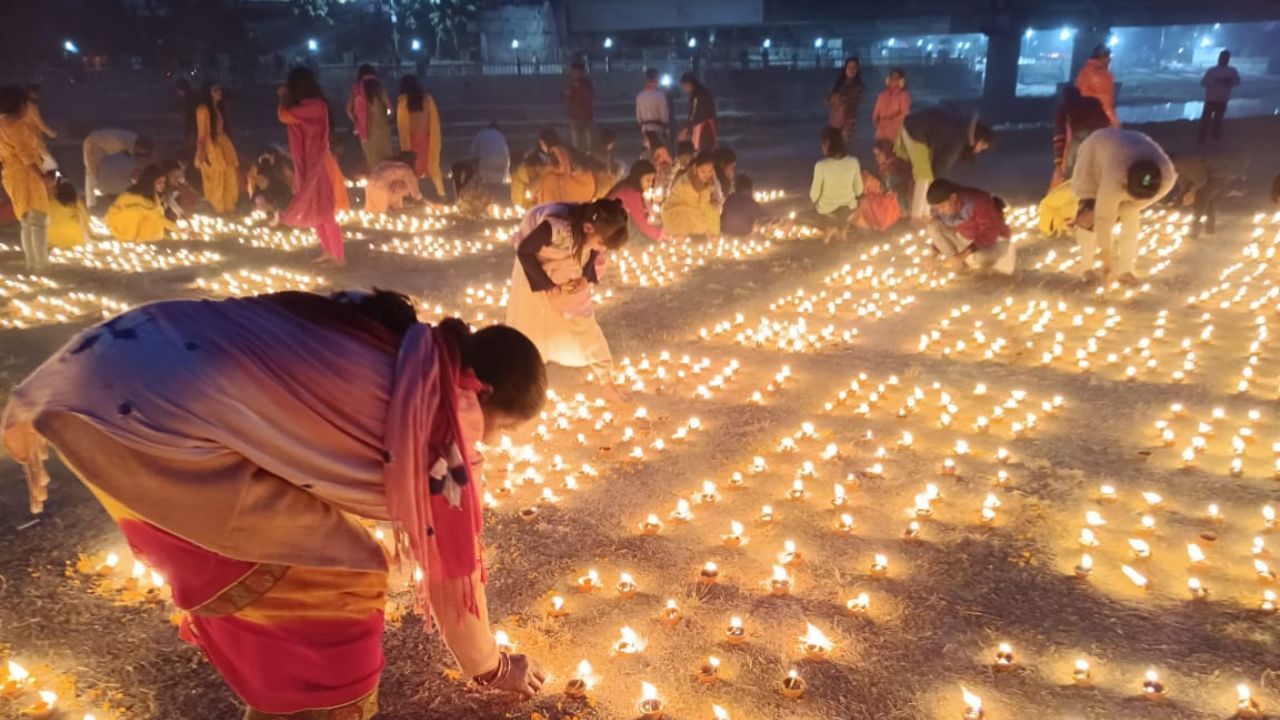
[[691, 207], [21, 175], [68, 217], [37, 122], [419, 124], [137, 215], [215, 154]]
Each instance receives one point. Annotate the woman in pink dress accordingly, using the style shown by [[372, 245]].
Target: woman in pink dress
[[318, 187]]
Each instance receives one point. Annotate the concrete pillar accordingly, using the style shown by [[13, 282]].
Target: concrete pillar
[[1000, 89]]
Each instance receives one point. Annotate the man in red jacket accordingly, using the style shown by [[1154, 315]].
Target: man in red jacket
[[968, 228]]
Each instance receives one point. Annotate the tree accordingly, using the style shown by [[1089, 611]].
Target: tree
[[445, 18]]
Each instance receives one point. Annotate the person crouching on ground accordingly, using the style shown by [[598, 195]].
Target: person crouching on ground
[[391, 183], [1119, 173], [742, 214], [691, 209], [137, 215], [968, 228], [837, 183], [68, 217], [556, 265]]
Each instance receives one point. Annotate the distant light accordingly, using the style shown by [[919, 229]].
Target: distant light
[[767, 43], [312, 44], [515, 44], [1217, 26], [1029, 33], [608, 43], [1113, 41], [1206, 41], [693, 42], [665, 80], [920, 43], [890, 41], [70, 47], [817, 42], [929, 47], [1065, 33], [416, 45]]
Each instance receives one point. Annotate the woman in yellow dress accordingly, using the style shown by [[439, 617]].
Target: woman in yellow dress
[[418, 121], [21, 176], [137, 215], [215, 154]]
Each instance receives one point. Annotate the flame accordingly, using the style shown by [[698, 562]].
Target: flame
[[138, 569], [1082, 665], [557, 603], [1086, 561], [736, 528], [112, 560], [1261, 567], [1194, 552], [17, 673], [652, 520], [1140, 547], [626, 579], [816, 638], [593, 577], [586, 675], [735, 622], [48, 697], [780, 574], [708, 488], [971, 701], [1242, 691], [882, 561], [1153, 676], [501, 638], [1134, 576], [648, 692], [719, 713]]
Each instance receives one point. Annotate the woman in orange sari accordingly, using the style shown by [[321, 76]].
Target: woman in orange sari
[[419, 124], [237, 463], [319, 190], [562, 180]]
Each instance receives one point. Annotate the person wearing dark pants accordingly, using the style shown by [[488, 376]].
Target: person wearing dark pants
[[1218, 82], [1204, 178]]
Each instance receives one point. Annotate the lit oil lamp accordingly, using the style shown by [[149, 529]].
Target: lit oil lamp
[[1085, 567], [15, 682], [682, 513], [1106, 494], [1138, 579], [719, 713], [709, 493], [1259, 547], [710, 574], [626, 586], [628, 643], [1004, 657], [880, 566], [845, 524], [766, 514], [670, 614], [589, 582], [1269, 602], [651, 705], [815, 644], [797, 491], [109, 564], [735, 634], [948, 467], [529, 513], [912, 532], [503, 641], [1197, 589], [1246, 706], [972, 706], [709, 671], [558, 608], [735, 538], [793, 685], [1082, 674], [652, 525], [44, 707], [1140, 548], [838, 499], [1265, 574], [1152, 688], [790, 555], [780, 582], [581, 682]]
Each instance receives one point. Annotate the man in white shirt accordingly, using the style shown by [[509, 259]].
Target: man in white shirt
[[1218, 82], [1119, 173], [104, 142], [652, 111]]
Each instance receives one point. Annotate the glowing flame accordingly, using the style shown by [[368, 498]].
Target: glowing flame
[[17, 673], [736, 528], [586, 675], [971, 701], [1134, 576], [719, 713], [648, 692], [502, 639], [815, 638], [48, 697]]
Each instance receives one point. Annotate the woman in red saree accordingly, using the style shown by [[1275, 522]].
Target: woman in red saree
[[237, 463], [319, 190]]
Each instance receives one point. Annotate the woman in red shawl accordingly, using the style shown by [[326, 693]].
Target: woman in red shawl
[[239, 465], [319, 190]]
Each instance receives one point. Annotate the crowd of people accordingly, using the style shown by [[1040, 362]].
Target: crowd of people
[[293, 621]]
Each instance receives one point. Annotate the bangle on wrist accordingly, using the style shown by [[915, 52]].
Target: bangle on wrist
[[497, 674]]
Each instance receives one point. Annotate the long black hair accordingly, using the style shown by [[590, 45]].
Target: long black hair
[[833, 143], [13, 100], [841, 79], [507, 362], [145, 185], [372, 87], [301, 85], [217, 112], [411, 91], [634, 177], [607, 216]]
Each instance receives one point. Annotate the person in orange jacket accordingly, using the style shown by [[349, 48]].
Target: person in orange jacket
[[1096, 81]]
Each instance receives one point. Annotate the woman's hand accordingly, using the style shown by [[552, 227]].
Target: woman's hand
[[524, 678]]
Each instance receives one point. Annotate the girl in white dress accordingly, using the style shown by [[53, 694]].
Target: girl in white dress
[[559, 254]]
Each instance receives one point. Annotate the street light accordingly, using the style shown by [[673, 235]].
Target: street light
[[766, 44], [1113, 41], [515, 44], [1065, 33], [312, 45], [665, 80], [415, 45], [817, 43], [1029, 33], [693, 42], [608, 43], [70, 47], [1206, 41]]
